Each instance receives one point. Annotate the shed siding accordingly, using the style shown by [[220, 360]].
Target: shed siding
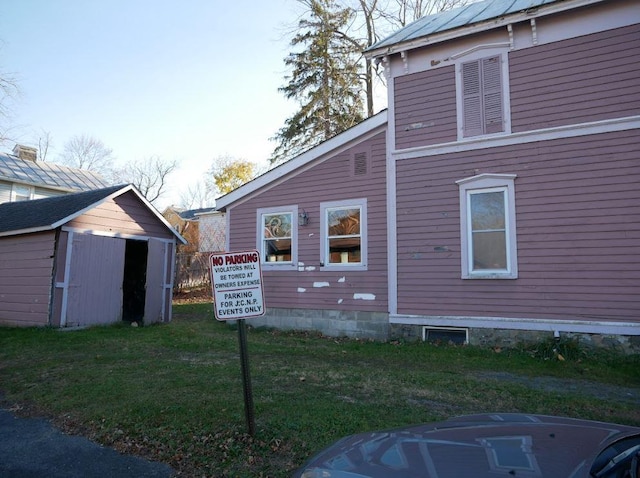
[[578, 231], [587, 78], [26, 262], [425, 108], [331, 180], [126, 215]]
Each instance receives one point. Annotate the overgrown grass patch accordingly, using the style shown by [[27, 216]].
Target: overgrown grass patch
[[174, 392]]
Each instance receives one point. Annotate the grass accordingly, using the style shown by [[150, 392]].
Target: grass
[[173, 392]]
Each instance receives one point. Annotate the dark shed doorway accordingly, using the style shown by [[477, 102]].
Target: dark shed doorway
[[135, 280]]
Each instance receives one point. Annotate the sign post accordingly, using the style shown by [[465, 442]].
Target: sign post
[[236, 280]]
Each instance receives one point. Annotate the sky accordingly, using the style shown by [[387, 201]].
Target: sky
[[185, 80]]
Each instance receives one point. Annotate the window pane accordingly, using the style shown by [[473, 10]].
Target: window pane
[[277, 225], [343, 222], [278, 250], [344, 250], [489, 250], [487, 211]]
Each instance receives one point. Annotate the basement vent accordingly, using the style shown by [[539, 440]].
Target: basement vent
[[445, 335], [360, 165]]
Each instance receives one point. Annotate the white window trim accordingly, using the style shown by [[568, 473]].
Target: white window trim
[[476, 184], [506, 102], [324, 263], [280, 266], [14, 191]]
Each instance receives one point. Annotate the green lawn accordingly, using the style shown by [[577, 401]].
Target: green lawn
[[174, 392]]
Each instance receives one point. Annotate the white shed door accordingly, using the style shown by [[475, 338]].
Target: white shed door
[[156, 267], [95, 280]]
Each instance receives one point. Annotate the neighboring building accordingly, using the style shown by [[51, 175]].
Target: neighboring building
[[22, 177], [189, 223], [204, 229], [88, 258], [497, 200], [212, 231]]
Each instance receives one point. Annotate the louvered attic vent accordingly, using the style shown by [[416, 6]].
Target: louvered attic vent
[[360, 165]]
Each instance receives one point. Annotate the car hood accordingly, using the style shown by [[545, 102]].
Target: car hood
[[487, 445]]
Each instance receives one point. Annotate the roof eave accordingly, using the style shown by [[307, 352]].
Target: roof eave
[[30, 230], [352, 134], [38, 185], [479, 27]]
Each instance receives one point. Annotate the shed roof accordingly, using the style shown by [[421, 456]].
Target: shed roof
[[465, 20], [46, 214], [54, 176]]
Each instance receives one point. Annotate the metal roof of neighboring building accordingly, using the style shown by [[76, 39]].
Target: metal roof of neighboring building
[[53, 176], [460, 19]]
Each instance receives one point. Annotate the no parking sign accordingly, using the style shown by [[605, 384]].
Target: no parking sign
[[236, 279]]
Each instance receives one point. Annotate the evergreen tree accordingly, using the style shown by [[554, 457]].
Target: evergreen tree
[[325, 80]]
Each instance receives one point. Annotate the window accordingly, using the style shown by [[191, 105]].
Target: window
[[511, 454], [277, 236], [344, 227], [20, 193], [482, 97], [487, 222]]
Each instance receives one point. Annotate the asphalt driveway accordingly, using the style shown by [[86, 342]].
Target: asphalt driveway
[[33, 448]]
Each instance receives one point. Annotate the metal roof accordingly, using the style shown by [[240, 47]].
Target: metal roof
[[54, 176], [459, 18]]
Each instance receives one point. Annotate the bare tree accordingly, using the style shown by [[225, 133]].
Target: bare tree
[[198, 195], [86, 152], [9, 92], [149, 176], [399, 13], [45, 143]]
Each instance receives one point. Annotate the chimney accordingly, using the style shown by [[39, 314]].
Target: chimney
[[26, 153]]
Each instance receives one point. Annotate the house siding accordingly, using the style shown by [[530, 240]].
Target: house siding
[[308, 287], [26, 263], [5, 192], [578, 232], [587, 78], [424, 119]]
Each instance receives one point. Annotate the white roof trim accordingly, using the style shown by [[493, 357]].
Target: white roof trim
[[352, 134]]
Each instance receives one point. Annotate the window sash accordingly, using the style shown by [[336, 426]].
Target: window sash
[[488, 239], [344, 242], [21, 193], [277, 236], [488, 227], [343, 228]]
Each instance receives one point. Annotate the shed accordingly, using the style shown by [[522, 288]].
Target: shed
[[95, 257]]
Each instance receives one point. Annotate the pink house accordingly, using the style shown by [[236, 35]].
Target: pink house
[[88, 258], [496, 200]]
